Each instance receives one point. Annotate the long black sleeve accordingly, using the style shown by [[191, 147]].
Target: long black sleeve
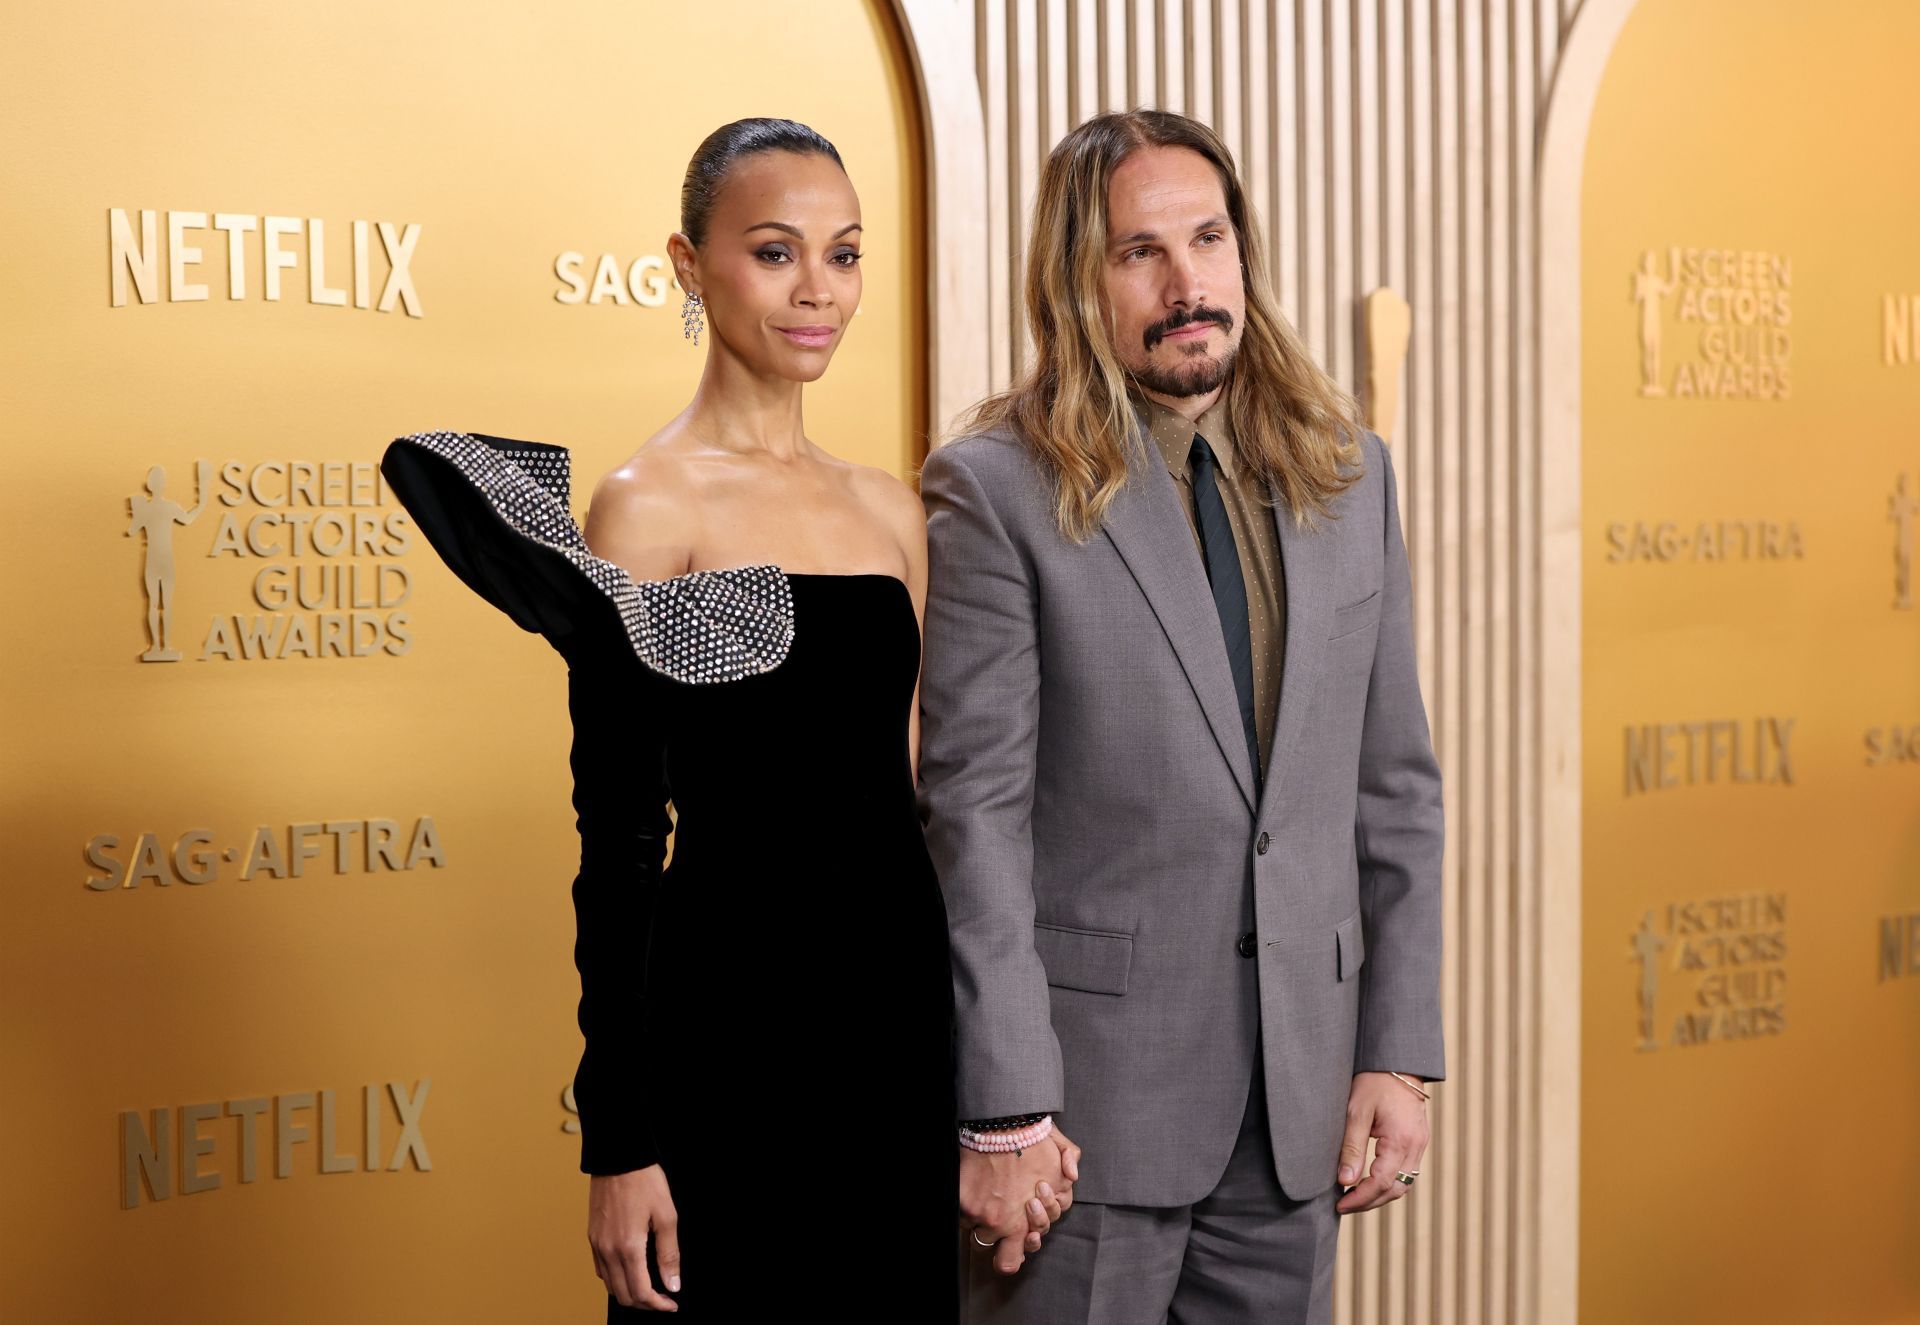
[[619, 795]]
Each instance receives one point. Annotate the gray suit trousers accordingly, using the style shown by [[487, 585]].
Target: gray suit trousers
[[1242, 1254]]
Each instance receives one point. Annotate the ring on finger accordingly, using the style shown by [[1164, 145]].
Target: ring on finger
[[1405, 1177], [976, 1239]]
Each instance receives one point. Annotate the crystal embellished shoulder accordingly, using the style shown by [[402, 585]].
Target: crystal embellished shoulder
[[701, 627]]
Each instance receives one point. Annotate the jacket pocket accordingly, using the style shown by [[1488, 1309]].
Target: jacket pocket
[[1355, 616], [1349, 947], [1086, 959]]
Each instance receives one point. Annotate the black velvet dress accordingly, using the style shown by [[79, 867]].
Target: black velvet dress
[[770, 1016]]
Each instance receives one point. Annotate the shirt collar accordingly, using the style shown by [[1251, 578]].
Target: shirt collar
[[1173, 435]]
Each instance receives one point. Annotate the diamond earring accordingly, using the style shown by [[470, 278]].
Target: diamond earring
[[693, 318]]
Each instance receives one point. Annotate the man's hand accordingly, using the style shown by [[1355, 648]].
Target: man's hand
[[621, 1210], [1381, 1107], [1016, 1197]]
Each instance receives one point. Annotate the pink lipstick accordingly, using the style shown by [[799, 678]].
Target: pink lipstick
[[812, 337]]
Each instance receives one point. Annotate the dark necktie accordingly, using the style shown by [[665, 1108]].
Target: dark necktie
[[1222, 558]]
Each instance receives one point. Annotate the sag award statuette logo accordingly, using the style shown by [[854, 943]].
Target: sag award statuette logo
[[1739, 300], [1728, 955], [328, 539], [1903, 508], [1646, 947], [155, 515]]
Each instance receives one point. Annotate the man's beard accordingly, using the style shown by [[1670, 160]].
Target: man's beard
[[1201, 372], [1199, 375]]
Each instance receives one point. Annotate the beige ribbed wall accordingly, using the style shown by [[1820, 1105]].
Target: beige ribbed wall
[[1395, 143]]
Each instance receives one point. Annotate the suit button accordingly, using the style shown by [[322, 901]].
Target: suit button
[[1262, 845], [1248, 945]]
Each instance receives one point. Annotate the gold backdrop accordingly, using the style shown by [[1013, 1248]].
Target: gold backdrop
[[1752, 662], [308, 882]]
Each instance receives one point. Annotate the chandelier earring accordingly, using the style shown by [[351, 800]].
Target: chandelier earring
[[693, 317]]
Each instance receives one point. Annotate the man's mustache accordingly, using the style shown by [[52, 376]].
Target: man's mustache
[[1185, 317]]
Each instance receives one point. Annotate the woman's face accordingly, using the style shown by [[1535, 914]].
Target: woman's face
[[780, 269]]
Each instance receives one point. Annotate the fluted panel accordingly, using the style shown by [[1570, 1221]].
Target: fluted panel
[[1383, 142]]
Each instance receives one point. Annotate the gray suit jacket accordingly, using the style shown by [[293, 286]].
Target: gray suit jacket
[[1090, 806]]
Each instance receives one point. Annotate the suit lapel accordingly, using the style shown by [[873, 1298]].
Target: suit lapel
[[1146, 527], [1306, 563]]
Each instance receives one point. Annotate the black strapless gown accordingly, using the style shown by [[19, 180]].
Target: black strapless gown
[[769, 1017]]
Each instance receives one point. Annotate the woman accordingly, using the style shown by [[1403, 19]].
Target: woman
[[767, 1081]]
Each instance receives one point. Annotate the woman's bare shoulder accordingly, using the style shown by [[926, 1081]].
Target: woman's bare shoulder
[[888, 498], [642, 515]]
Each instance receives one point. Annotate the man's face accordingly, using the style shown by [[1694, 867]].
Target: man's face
[[1173, 276]]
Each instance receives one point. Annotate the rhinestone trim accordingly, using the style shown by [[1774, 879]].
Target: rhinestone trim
[[702, 627]]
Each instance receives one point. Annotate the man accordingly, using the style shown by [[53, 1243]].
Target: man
[[1176, 774]]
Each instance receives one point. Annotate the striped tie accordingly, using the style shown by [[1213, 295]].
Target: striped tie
[[1222, 559]]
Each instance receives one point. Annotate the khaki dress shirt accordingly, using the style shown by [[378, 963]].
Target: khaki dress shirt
[[1250, 514]]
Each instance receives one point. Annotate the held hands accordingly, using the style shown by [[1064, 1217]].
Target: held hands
[[1393, 1112], [622, 1209], [1011, 1199]]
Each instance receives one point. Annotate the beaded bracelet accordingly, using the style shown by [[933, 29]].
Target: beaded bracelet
[[1013, 1142]]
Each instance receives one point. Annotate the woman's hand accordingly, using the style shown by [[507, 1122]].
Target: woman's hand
[[1016, 1196], [622, 1210]]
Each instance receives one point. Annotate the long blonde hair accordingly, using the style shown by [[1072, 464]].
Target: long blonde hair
[[1295, 425]]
